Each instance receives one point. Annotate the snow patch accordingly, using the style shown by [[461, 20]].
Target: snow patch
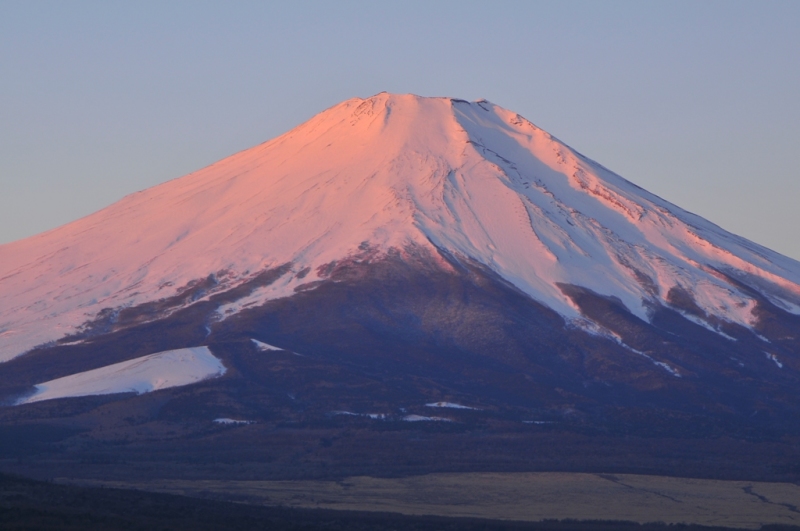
[[595, 329], [705, 324], [665, 366], [233, 421], [790, 307], [420, 418], [774, 358], [283, 287], [451, 405], [264, 346], [375, 416], [162, 370]]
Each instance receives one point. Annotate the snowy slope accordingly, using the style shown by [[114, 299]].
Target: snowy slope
[[471, 178], [162, 370]]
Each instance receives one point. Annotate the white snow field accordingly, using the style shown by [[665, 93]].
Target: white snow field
[[474, 179], [171, 368]]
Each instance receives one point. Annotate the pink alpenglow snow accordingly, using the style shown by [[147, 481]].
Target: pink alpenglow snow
[[471, 179]]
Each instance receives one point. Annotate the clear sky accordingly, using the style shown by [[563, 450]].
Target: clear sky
[[699, 102]]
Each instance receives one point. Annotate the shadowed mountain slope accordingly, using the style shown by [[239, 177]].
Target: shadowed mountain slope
[[401, 285]]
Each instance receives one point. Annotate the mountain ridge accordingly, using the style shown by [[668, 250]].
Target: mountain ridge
[[471, 179], [397, 252]]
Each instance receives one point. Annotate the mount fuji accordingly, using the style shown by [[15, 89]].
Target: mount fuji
[[398, 259]]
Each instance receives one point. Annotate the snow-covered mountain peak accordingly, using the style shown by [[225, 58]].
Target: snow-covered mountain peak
[[472, 179]]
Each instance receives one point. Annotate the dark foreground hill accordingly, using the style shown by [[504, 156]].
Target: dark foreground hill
[[31, 505]]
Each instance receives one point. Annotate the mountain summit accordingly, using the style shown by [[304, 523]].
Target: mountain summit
[[400, 285], [471, 181]]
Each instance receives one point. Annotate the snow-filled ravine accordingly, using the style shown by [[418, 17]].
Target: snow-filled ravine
[[470, 178], [171, 368]]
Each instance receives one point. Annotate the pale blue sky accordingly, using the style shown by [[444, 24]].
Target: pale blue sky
[[698, 102]]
